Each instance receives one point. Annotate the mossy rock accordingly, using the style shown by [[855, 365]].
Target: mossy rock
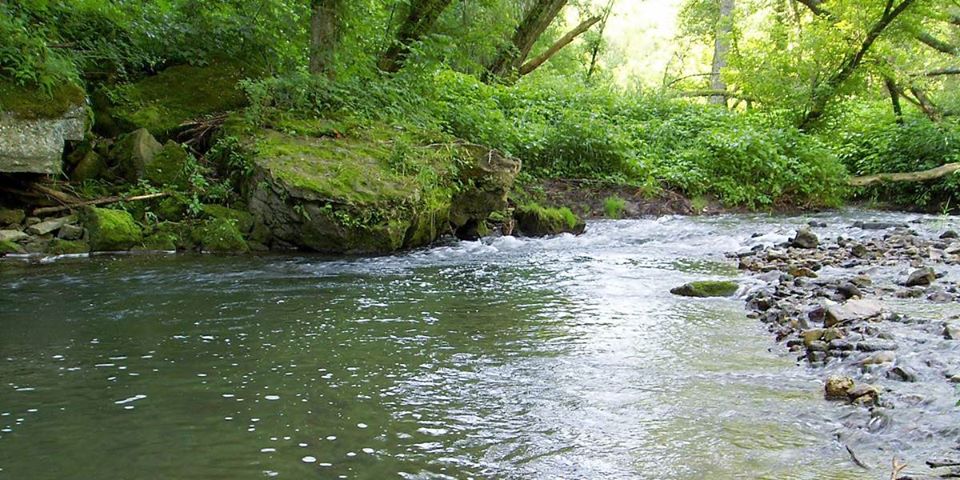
[[111, 230], [11, 216], [32, 104], [172, 208], [132, 153], [67, 247], [163, 102], [7, 247], [161, 241], [90, 167], [372, 189], [536, 221], [168, 166], [707, 288], [243, 220], [220, 236]]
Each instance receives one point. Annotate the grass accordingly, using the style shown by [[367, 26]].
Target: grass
[[613, 207]]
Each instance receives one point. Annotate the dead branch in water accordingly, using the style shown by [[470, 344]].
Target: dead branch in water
[[897, 468], [853, 456]]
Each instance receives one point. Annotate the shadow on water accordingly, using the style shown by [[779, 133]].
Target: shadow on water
[[553, 358]]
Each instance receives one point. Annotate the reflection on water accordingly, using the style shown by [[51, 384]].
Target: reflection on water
[[555, 358]]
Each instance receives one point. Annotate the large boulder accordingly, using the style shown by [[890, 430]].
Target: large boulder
[[375, 190], [856, 310], [111, 230], [532, 220], [34, 126], [164, 102]]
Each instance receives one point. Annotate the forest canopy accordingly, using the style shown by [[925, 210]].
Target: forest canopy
[[764, 102]]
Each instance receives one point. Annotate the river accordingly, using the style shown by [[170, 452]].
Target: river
[[564, 357]]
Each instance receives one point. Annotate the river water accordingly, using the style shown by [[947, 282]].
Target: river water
[[564, 357]]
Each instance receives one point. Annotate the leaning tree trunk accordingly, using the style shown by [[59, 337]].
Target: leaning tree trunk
[[721, 49], [422, 16], [565, 40], [324, 35], [534, 23]]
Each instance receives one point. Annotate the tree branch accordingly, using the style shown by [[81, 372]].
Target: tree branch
[[943, 71], [937, 44], [558, 45], [716, 93]]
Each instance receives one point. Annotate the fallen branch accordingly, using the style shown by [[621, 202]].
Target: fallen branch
[[856, 460], [932, 174], [100, 201]]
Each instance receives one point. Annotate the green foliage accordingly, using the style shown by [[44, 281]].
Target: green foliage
[[613, 207]]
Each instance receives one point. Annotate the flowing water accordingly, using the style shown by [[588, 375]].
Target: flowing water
[[508, 358]]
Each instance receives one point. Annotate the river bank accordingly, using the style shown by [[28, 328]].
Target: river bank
[[873, 306]]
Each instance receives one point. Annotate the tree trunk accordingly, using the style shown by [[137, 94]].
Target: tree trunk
[[534, 23], [423, 14], [558, 45], [324, 35], [595, 51], [825, 92], [894, 98], [937, 44], [932, 174], [721, 48]]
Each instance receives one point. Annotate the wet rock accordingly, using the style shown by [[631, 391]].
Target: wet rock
[[921, 277], [50, 226], [879, 358], [902, 374], [952, 332], [11, 217], [852, 311], [30, 221], [909, 293], [948, 460], [939, 296], [707, 288], [949, 234], [837, 387], [13, 236], [848, 290], [817, 346], [805, 238], [863, 394], [841, 345], [70, 232], [816, 357], [877, 225], [859, 251], [803, 272], [816, 223], [876, 345]]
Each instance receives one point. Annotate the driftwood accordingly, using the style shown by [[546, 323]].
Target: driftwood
[[932, 174], [99, 201]]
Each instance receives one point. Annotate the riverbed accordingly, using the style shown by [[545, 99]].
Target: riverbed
[[564, 357]]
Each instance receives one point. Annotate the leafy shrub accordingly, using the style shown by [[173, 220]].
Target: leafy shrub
[[872, 142], [613, 207]]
